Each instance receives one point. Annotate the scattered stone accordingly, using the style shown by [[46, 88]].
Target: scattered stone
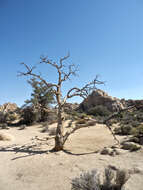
[[108, 151], [113, 151], [130, 146], [22, 127], [120, 151]]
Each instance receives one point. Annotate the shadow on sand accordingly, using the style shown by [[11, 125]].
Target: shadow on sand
[[29, 149], [32, 150]]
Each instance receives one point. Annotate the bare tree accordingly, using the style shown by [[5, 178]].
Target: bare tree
[[64, 72]]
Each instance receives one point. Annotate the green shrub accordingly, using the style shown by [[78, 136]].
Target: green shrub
[[99, 111], [3, 117], [138, 131], [29, 115], [123, 130]]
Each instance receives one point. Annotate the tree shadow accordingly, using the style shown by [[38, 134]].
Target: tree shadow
[[79, 154], [29, 149], [33, 149]]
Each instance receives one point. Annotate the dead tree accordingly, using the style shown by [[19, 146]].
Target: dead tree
[[64, 72]]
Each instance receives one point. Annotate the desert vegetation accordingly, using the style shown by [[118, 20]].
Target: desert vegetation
[[65, 72], [112, 180]]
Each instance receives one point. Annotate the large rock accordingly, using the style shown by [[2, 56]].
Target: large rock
[[8, 107], [99, 97]]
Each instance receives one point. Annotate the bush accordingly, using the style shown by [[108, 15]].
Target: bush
[[29, 115], [113, 180], [3, 117], [138, 131], [99, 111], [123, 130]]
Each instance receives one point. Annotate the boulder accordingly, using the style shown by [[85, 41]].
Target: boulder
[[8, 107], [100, 97]]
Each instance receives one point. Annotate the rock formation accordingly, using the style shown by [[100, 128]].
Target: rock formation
[[99, 97], [8, 107]]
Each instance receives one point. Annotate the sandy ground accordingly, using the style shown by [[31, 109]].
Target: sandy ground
[[27, 164]]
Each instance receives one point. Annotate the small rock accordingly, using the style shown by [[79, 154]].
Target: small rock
[[22, 127], [130, 146], [106, 151], [120, 151]]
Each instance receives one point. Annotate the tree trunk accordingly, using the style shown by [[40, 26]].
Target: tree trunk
[[59, 139]]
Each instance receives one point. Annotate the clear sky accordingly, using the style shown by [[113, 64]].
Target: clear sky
[[104, 37]]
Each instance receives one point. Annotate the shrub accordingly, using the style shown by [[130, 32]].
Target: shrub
[[138, 131], [123, 130], [3, 117], [99, 111], [113, 180], [29, 115]]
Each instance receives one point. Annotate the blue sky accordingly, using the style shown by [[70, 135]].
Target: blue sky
[[104, 37]]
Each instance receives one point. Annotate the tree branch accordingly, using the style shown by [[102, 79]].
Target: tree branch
[[85, 91], [71, 72], [78, 126], [63, 59], [106, 121], [30, 73]]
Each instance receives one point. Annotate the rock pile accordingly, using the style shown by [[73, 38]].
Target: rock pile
[[8, 107]]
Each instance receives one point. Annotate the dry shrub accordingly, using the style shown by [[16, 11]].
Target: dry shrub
[[113, 180]]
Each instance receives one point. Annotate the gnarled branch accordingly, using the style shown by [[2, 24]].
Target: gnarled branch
[[30, 73], [84, 91]]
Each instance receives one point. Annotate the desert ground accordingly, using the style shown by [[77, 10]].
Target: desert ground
[[27, 164]]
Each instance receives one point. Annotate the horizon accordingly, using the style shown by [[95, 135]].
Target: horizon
[[103, 37]]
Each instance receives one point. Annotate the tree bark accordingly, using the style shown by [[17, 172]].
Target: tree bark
[[59, 138]]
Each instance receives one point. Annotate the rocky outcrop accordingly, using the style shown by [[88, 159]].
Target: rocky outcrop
[[99, 97], [136, 103], [8, 107]]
